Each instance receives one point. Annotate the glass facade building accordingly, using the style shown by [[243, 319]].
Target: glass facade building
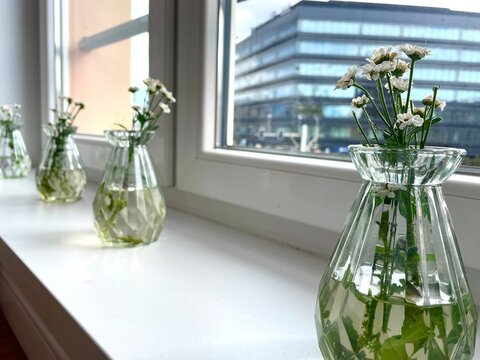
[[285, 72]]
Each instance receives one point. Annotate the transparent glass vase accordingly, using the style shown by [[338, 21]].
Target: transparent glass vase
[[395, 287], [61, 175], [129, 207], [14, 159]]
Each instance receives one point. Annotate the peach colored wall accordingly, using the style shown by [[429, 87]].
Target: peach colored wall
[[100, 77]]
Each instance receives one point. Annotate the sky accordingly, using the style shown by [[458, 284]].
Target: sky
[[251, 13]]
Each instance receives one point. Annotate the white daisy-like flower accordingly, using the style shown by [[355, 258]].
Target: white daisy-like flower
[[399, 84], [383, 54], [418, 111], [150, 82], [428, 101], [375, 71], [168, 95], [440, 104], [401, 67], [387, 190], [348, 79], [414, 52], [360, 102], [408, 119], [386, 66], [165, 108], [371, 72]]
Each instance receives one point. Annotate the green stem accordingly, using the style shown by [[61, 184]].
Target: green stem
[[383, 102], [373, 127], [361, 129], [429, 123], [392, 96], [387, 124], [410, 82]]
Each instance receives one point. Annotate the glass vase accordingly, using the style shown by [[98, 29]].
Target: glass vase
[[129, 207], [395, 287], [14, 159], [61, 175]]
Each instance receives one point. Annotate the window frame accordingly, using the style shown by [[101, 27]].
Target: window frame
[[54, 79], [307, 191]]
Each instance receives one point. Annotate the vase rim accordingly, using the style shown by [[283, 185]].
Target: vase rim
[[126, 137], [128, 133], [429, 150]]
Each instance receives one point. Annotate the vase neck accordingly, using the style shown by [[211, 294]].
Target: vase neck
[[121, 138], [407, 167]]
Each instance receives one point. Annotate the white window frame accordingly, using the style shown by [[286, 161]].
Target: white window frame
[[310, 193], [54, 80]]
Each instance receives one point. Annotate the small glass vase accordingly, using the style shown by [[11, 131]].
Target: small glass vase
[[129, 207], [61, 175], [14, 159], [395, 287]]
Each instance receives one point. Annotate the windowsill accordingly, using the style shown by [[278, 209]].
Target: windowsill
[[462, 184], [202, 290]]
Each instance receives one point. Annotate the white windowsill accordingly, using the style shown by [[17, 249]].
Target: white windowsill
[[202, 291]]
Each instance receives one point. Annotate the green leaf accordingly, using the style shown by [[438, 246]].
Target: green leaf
[[394, 349], [435, 353], [436, 120], [414, 329], [351, 332]]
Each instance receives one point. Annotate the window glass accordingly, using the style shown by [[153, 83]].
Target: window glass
[[289, 55], [101, 76]]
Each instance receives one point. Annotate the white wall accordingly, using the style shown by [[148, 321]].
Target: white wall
[[19, 66]]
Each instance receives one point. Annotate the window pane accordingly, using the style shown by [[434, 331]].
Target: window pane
[[100, 77], [288, 61]]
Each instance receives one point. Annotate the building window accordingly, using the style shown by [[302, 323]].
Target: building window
[[292, 57], [105, 50]]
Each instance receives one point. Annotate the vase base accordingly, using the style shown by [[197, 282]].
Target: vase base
[[54, 200], [125, 242]]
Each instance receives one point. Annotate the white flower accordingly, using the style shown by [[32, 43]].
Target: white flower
[[381, 55], [408, 119], [348, 79], [168, 95], [17, 106], [386, 66], [387, 190], [165, 108], [440, 104], [401, 67], [399, 84], [360, 101], [371, 72], [414, 52], [428, 101], [418, 111], [375, 71], [150, 82]]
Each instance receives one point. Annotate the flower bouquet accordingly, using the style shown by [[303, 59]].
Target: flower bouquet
[[129, 207], [14, 159], [61, 176], [395, 287]]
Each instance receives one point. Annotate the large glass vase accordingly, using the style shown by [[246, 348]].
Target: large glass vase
[[14, 159], [395, 287], [129, 208], [61, 175]]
